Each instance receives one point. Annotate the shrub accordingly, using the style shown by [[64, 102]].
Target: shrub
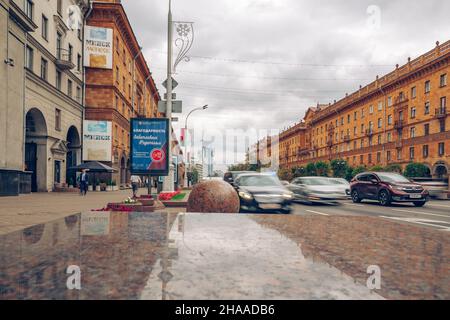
[[377, 168], [416, 170], [339, 168], [394, 168], [298, 172], [311, 169], [285, 174], [322, 168], [358, 170]]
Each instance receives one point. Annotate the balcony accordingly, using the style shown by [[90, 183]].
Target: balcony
[[346, 138], [369, 132], [398, 125], [399, 144], [401, 102], [440, 113], [64, 60]]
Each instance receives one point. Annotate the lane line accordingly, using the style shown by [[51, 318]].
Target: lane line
[[437, 205], [420, 212], [354, 204], [412, 220], [316, 212]]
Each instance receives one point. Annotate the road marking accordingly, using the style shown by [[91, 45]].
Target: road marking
[[437, 205], [421, 221], [354, 204], [420, 212], [321, 213]]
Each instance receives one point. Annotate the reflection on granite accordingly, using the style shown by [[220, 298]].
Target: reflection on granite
[[213, 196], [222, 256]]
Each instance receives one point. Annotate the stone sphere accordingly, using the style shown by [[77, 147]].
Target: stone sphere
[[213, 196]]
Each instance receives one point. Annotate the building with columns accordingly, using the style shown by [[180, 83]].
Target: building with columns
[[45, 84]]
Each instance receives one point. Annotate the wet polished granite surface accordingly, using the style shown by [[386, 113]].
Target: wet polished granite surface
[[224, 256]]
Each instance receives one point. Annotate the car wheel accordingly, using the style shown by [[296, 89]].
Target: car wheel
[[419, 203], [384, 198], [355, 196]]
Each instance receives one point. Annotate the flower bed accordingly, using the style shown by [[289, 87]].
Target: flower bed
[[166, 196]]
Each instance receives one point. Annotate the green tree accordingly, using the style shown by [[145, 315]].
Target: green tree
[[349, 173], [311, 169], [285, 174], [322, 168], [358, 170], [339, 168], [298, 172], [377, 168], [394, 168], [416, 170]]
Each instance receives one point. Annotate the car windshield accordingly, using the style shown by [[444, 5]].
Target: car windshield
[[393, 178], [315, 181], [258, 180]]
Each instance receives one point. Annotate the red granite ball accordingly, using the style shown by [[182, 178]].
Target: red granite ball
[[213, 196]]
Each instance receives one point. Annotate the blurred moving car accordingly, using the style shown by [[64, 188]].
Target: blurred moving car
[[230, 176], [342, 185], [262, 193], [387, 187], [318, 190]]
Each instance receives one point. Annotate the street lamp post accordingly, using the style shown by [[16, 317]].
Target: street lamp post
[[188, 160]]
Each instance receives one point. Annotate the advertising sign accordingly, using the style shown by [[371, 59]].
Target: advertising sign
[[149, 146], [98, 47], [97, 140], [94, 224]]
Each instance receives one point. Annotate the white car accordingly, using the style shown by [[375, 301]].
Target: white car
[[319, 190]]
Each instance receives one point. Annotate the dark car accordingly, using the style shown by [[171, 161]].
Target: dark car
[[387, 187], [230, 176], [263, 193]]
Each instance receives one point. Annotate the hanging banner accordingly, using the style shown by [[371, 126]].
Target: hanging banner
[[98, 47], [149, 146]]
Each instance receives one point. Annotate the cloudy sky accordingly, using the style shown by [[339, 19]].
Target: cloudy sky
[[259, 64]]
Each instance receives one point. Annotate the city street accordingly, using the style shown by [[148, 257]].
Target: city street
[[435, 214]]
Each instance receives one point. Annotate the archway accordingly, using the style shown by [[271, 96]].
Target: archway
[[36, 149], [73, 157], [123, 171], [441, 172]]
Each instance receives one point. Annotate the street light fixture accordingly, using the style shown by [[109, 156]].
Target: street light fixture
[[185, 142]]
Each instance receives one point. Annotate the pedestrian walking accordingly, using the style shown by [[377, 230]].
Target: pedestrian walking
[[84, 182], [135, 182]]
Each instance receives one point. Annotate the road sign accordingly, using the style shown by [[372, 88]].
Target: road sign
[[174, 84], [174, 96], [177, 106]]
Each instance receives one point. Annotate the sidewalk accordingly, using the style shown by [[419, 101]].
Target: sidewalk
[[27, 210]]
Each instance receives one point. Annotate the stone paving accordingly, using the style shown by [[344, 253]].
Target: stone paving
[[27, 210]]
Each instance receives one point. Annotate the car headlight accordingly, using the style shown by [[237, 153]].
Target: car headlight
[[245, 195], [288, 195], [398, 188]]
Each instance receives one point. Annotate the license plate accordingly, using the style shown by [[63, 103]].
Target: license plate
[[269, 206], [415, 196]]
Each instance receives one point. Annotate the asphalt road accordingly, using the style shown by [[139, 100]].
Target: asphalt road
[[435, 214]]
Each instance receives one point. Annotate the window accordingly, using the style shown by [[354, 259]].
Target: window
[[342, 121], [58, 79], [123, 84], [78, 94], [413, 92], [380, 106], [44, 67], [412, 132], [443, 104], [426, 129], [362, 113], [57, 120], [390, 119], [371, 109], [442, 126], [378, 156], [399, 154], [388, 155], [59, 7], [411, 153], [441, 149], [443, 80], [29, 9], [70, 52], [427, 86], [348, 118], [380, 122], [44, 27], [79, 62], [427, 107], [58, 45], [117, 74], [379, 139], [69, 88], [355, 115], [389, 102], [361, 159], [116, 104], [117, 45], [29, 56], [389, 137], [425, 151], [124, 57], [362, 128], [355, 131], [413, 112], [369, 157]]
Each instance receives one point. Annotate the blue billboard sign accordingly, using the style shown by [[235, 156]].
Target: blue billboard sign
[[149, 146]]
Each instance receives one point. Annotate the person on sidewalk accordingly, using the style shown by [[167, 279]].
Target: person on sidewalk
[[135, 183], [84, 182]]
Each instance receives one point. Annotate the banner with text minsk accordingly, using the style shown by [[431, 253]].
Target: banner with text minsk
[[149, 143]]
